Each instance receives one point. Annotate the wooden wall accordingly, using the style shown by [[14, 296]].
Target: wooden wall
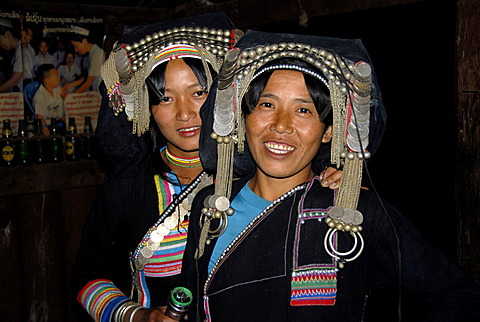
[[467, 165], [42, 210]]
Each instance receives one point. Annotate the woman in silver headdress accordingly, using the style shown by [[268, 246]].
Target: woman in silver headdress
[[134, 236], [276, 245]]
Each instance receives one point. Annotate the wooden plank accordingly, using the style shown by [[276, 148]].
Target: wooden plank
[[11, 278], [37, 178], [39, 243], [468, 118]]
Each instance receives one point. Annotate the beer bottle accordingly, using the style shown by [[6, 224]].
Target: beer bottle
[[73, 147], [178, 303], [40, 144], [88, 139], [23, 145], [31, 124], [7, 145], [55, 143]]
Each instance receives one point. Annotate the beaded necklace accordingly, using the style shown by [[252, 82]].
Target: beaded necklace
[[182, 162]]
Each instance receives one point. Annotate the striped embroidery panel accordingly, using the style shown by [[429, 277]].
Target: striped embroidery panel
[[167, 259], [142, 291], [165, 191], [175, 51], [313, 287]]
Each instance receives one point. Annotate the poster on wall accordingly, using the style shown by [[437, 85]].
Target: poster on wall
[[49, 68]]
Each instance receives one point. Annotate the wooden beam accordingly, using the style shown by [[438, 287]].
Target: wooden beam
[[468, 118]]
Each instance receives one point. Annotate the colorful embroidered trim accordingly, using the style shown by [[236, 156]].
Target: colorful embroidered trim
[[100, 298], [165, 191], [142, 289], [316, 283], [206, 308], [313, 287], [167, 259], [175, 51]]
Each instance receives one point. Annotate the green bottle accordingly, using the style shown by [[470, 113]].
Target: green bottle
[[40, 144], [55, 143], [23, 145], [7, 145], [178, 302], [73, 142], [89, 144]]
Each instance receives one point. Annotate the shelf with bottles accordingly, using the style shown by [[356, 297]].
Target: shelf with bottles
[[32, 146]]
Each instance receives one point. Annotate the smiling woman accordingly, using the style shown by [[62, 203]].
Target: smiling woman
[[135, 234], [276, 245], [283, 129], [177, 113]]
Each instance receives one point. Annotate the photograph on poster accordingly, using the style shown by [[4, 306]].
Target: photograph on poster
[[49, 69]]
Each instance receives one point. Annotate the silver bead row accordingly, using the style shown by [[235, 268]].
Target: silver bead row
[[170, 209], [332, 66], [215, 40]]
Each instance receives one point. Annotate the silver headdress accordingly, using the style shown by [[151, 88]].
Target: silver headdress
[[144, 47]]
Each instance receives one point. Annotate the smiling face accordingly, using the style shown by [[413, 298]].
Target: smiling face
[[284, 130], [177, 115]]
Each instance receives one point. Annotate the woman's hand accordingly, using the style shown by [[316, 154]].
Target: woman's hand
[[330, 177]]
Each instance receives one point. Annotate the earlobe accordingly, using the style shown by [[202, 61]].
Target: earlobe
[[327, 135]]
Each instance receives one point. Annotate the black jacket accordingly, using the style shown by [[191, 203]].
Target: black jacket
[[253, 283]]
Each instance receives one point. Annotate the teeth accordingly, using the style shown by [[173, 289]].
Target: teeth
[[279, 148], [190, 129]]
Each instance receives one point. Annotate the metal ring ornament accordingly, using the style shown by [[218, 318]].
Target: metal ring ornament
[[330, 242], [336, 254], [221, 227]]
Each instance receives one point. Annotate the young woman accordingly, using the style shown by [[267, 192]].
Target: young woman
[[134, 236], [276, 245]]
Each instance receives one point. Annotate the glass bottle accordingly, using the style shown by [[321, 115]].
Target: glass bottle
[[7, 145], [55, 143], [23, 145], [73, 142], [178, 303], [89, 146], [40, 143], [31, 124]]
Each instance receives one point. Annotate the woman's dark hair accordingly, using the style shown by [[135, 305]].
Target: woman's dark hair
[[156, 90], [318, 91]]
